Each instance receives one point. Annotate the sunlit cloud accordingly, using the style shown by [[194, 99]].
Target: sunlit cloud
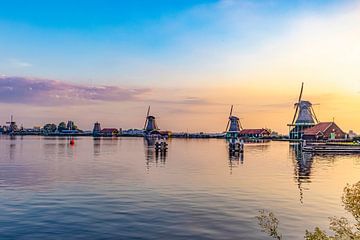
[[50, 92]]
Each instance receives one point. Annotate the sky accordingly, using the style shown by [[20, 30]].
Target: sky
[[107, 61]]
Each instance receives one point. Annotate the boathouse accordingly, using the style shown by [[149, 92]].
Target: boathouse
[[324, 131], [255, 133]]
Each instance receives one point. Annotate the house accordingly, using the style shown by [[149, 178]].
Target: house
[[324, 131], [109, 132], [255, 133]]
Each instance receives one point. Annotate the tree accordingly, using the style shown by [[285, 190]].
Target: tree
[[341, 227], [61, 126], [50, 127]]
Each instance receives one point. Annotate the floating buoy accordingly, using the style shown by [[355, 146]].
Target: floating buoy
[[72, 141]]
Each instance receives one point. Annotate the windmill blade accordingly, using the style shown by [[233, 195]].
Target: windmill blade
[[298, 103], [314, 115], [296, 110], [148, 111], [231, 110], [227, 126], [301, 92], [240, 125], [147, 115]]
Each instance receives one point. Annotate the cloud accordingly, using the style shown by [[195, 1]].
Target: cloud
[[181, 101], [19, 63], [50, 92]]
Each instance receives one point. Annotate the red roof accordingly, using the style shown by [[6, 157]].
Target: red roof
[[320, 127], [109, 130], [254, 131]]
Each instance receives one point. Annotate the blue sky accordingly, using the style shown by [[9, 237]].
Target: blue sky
[[188, 59], [110, 41]]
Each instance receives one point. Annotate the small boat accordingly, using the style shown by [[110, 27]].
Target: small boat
[[332, 147]]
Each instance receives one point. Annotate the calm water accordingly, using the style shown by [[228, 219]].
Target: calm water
[[120, 189]]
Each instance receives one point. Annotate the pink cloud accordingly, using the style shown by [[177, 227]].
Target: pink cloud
[[50, 92]]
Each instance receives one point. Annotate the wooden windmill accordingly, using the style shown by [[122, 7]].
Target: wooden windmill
[[150, 124], [304, 117], [233, 126]]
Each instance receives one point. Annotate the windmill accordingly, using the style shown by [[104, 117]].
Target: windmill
[[233, 126], [304, 117], [150, 124], [12, 125]]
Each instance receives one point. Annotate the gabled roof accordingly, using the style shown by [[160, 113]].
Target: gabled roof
[[319, 128], [254, 131], [109, 130]]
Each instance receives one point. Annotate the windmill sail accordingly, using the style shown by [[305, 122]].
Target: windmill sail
[[227, 126], [147, 115], [298, 103]]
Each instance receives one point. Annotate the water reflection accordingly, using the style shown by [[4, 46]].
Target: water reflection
[[235, 159], [97, 146], [12, 148], [302, 168], [153, 157]]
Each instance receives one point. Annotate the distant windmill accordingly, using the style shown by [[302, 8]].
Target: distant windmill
[[12, 124], [233, 126], [304, 117], [150, 124]]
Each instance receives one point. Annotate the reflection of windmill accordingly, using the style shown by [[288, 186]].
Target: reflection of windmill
[[233, 126], [304, 117], [150, 124], [302, 168]]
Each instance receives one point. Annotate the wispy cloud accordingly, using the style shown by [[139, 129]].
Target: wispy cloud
[[181, 101], [19, 63], [50, 92]]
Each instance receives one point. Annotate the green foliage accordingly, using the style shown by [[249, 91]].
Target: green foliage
[[351, 200], [269, 224], [318, 234], [61, 126], [50, 127], [341, 227]]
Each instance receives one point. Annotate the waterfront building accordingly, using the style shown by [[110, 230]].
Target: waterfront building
[[133, 132], [74, 131], [255, 133], [108, 132], [324, 131]]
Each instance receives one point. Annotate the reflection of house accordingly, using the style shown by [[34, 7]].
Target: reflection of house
[[324, 131], [255, 133], [109, 132]]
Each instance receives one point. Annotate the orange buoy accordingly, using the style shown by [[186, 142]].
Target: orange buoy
[[72, 141]]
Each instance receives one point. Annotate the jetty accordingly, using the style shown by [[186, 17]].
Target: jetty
[[331, 147]]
